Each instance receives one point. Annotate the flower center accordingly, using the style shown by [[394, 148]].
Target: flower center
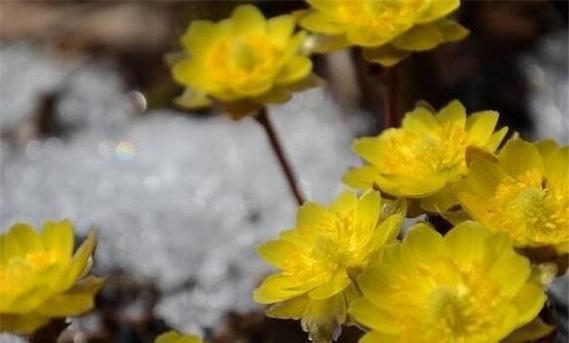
[[418, 155], [531, 210], [245, 60]]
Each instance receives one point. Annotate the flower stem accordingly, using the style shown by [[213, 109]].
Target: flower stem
[[265, 122], [390, 96]]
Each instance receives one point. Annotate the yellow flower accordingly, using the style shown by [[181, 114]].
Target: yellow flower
[[469, 287], [524, 194], [424, 156], [175, 337], [387, 30], [243, 62], [39, 277], [319, 259]]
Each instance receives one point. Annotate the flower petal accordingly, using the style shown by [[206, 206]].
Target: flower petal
[[296, 69], [22, 324], [58, 238], [510, 161], [419, 38], [247, 19], [454, 113], [437, 9], [386, 55], [338, 283]]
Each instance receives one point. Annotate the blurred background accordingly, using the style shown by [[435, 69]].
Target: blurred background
[[179, 199]]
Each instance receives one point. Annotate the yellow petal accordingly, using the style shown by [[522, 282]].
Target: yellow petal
[[21, 239], [387, 55], [310, 214], [421, 121], [338, 283], [275, 96], [367, 213], [451, 30], [321, 23], [276, 288], [199, 36], [296, 69], [557, 168], [533, 331], [484, 178], [388, 230], [323, 318], [418, 188], [374, 317], [247, 19], [175, 337], [424, 241], [318, 43], [254, 88], [241, 108], [529, 302], [547, 147], [79, 262], [345, 201], [189, 72], [480, 126], [496, 139], [369, 148], [66, 305], [193, 99], [22, 324], [466, 242], [280, 28], [26, 301], [87, 285], [364, 37], [438, 9], [510, 161], [361, 178], [419, 38], [454, 113], [440, 201], [58, 237], [289, 309], [510, 271], [276, 253]]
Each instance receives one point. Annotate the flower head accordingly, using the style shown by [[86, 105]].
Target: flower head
[[319, 259], [468, 286], [175, 337], [40, 279], [243, 62], [388, 30], [426, 154], [524, 194]]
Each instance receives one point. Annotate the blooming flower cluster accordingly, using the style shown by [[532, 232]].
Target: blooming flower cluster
[[320, 259], [476, 284], [243, 62], [40, 279], [427, 155], [468, 286], [524, 192], [388, 31], [352, 262]]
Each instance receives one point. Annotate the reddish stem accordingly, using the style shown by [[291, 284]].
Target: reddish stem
[[390, 97], [265, 122]]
